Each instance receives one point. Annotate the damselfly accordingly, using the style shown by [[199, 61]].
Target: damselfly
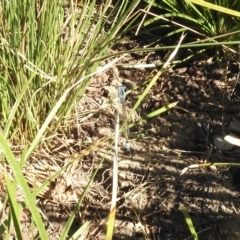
[[121, 95]]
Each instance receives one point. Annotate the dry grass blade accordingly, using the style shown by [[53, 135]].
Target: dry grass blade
[[233, 140]]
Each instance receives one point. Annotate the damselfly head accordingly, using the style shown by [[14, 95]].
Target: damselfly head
[[127, 146]]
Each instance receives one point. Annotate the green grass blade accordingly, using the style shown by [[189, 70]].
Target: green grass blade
[[21, 181], [155, 78], [15, 209], [189, 222], [79, 233], [153, 114], [215, 7], [3, 224]]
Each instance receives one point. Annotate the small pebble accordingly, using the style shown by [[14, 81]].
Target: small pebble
[[234, 126], [221, 144]]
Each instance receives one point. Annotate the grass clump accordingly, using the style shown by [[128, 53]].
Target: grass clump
[[204, 23], [48, 47], [50, 51]]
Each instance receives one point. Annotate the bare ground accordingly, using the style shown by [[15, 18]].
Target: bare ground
[[151, 187]]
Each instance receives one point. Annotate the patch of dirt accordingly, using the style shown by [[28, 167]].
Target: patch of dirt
[[151, 187]]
